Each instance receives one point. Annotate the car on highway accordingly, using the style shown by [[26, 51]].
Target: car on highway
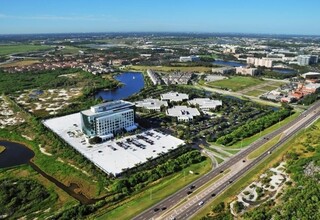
[[156, 209], [192, 187], [243, 161], [230, 181], [189, 192], [213, 195], [221, 171], [201, 203], [163, 208]]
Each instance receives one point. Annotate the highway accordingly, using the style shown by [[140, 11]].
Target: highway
[[290, 129]]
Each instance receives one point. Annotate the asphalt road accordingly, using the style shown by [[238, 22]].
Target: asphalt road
[[306, 118]]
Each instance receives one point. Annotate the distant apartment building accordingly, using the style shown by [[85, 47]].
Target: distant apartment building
[[106, 119], [246, 71], [266, 62], [191, 58], [304, 60]]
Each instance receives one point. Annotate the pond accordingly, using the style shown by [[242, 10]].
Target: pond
[[14, 154], [132, 83], [228, 63]]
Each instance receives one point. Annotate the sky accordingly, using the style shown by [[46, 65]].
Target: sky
[[223, 16]]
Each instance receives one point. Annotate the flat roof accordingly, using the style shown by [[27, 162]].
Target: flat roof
[[205, 102], [174, 96], [182, 111], [103, 155], [151, 103]]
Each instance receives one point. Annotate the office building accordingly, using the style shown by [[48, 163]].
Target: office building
[[174, 97], [189, 58], [304, 60], [205, 104], [106, 119], [183, 113], [246, 71], [266, 62], [151, 104]]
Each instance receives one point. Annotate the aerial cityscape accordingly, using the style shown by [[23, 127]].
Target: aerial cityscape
[[159, 110]]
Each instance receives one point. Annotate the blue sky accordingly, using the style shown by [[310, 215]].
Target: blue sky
[[240, 16]]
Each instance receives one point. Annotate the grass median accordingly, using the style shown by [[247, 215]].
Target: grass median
[[154, 194], [228, 195]]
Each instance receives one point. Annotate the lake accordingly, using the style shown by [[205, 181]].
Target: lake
[[132, 83], [15, 154], [284, 71], [228, 63]]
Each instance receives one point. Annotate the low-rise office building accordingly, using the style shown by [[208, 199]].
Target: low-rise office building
[[183, 113], [174, 97], [246, 71], [205, 104], [151, 104], [106, 119]]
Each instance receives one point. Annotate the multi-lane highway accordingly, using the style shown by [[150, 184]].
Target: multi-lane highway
[[305, 119]]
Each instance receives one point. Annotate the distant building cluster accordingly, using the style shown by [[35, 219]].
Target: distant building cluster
[[177, 78], [191, 58], [246, 71], [266, 62], [154, 77], [304, 60]]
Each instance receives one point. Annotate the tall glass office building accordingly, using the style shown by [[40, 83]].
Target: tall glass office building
[[106, 119]]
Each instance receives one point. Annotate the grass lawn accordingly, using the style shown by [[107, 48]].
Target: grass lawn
[[236, 83], [264, 147], [171, 68], [274, 127], [154, 194], [228, 195], [21, 48], [20, 63], [255, 93], [2, 148], [270, 87]]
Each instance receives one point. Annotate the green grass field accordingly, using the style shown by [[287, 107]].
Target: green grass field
[[277, 155], [171, 68], [236, 83], [21, 48], [156, 193], [255, 93]]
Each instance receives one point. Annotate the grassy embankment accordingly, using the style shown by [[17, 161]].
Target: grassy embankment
[[2, 149], [294, 144], [20, 63], [58, 199], [21, 48], [158, 191]]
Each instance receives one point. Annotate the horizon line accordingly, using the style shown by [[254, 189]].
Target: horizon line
[[163, 32]]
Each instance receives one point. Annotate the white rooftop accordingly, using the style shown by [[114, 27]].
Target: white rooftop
[[174, 96], [109, 156], [205, 103], [183, 112], [151, 103], [310, 74]]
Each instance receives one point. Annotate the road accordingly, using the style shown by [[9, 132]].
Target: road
[[290, 129]]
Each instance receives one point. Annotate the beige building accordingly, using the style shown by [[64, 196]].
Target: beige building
[[246, 71]]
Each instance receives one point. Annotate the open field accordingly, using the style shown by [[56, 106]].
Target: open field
[[157, 192], [236, 83], [20, 63], [255, 93], [8, 116], [295, 144], [46, 102], [21, 48], [171, 68]]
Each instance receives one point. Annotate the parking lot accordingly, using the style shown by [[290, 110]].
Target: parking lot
[[115, 155]]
